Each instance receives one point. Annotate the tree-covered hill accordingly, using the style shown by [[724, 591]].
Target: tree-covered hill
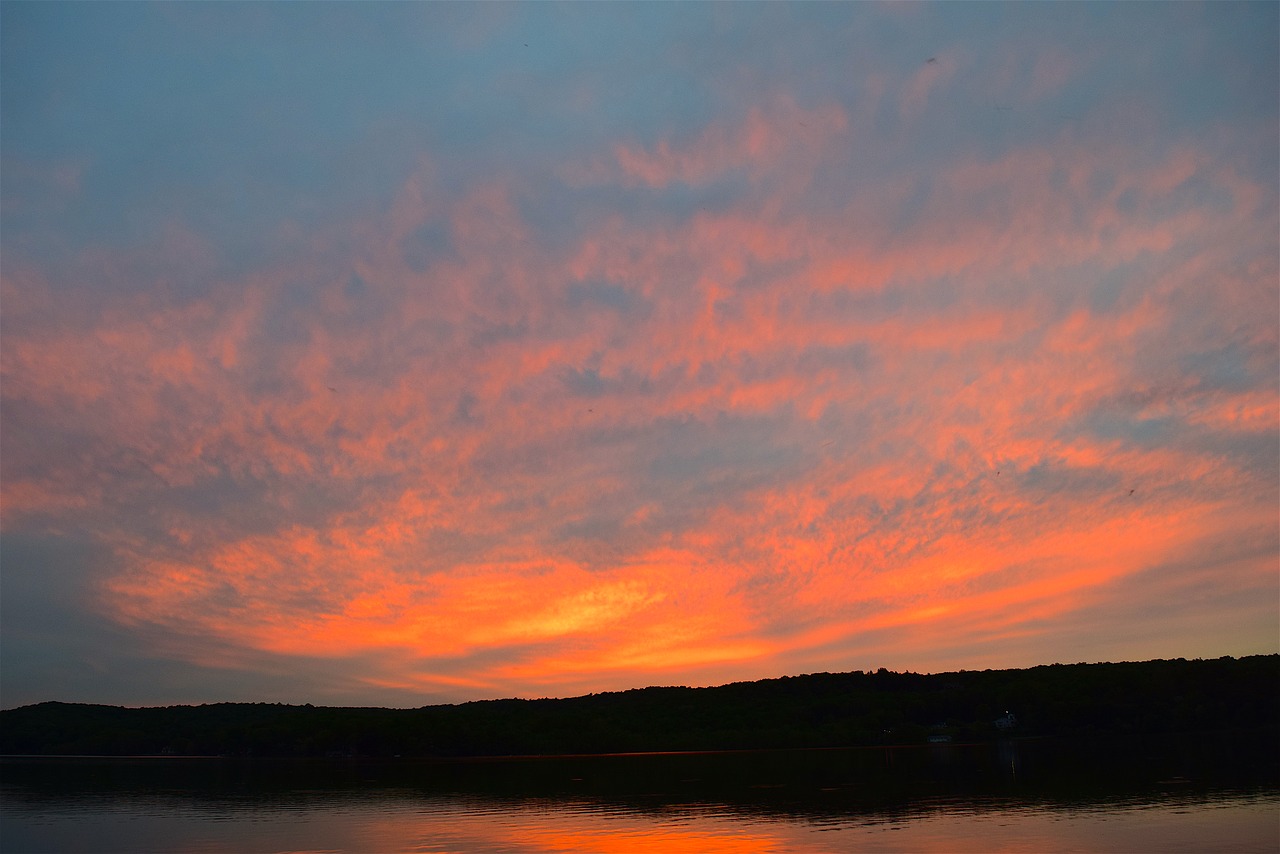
[[816, 710]]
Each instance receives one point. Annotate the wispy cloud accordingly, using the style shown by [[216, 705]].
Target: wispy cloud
[[778, 390]]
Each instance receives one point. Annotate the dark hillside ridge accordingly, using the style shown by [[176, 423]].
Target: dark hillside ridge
[[816, 710]]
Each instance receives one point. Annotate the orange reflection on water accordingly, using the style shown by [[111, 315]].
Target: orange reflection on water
[[537, 827], [578, 828], [642, 839]]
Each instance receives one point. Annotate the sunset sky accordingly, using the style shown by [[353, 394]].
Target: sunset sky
[[395, 354]]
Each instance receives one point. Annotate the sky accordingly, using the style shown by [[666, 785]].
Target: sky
[[397, 354]]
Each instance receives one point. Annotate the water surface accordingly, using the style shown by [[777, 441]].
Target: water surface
[[1211, 793]]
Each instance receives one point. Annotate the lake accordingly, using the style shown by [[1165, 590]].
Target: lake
[[1208, 793]]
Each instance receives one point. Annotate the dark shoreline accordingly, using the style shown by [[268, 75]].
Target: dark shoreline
[[814, 711]]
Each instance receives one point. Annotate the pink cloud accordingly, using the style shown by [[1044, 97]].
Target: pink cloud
[[778, 129], [793, 430]]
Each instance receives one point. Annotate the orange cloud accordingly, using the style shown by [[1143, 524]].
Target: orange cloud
[[766, 135], [759, 434]]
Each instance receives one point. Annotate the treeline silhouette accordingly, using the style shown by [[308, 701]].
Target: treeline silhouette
[[816, 710]]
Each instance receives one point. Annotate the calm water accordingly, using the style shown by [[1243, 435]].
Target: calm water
[[1205, 794]]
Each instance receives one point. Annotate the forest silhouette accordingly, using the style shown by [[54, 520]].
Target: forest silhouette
[[810, 711]]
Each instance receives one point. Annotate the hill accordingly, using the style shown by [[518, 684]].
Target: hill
[[815, 710]]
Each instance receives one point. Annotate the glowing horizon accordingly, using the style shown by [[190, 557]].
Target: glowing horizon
[[392, 355]]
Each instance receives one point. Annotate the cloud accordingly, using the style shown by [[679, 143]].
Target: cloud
[[787, 390]]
